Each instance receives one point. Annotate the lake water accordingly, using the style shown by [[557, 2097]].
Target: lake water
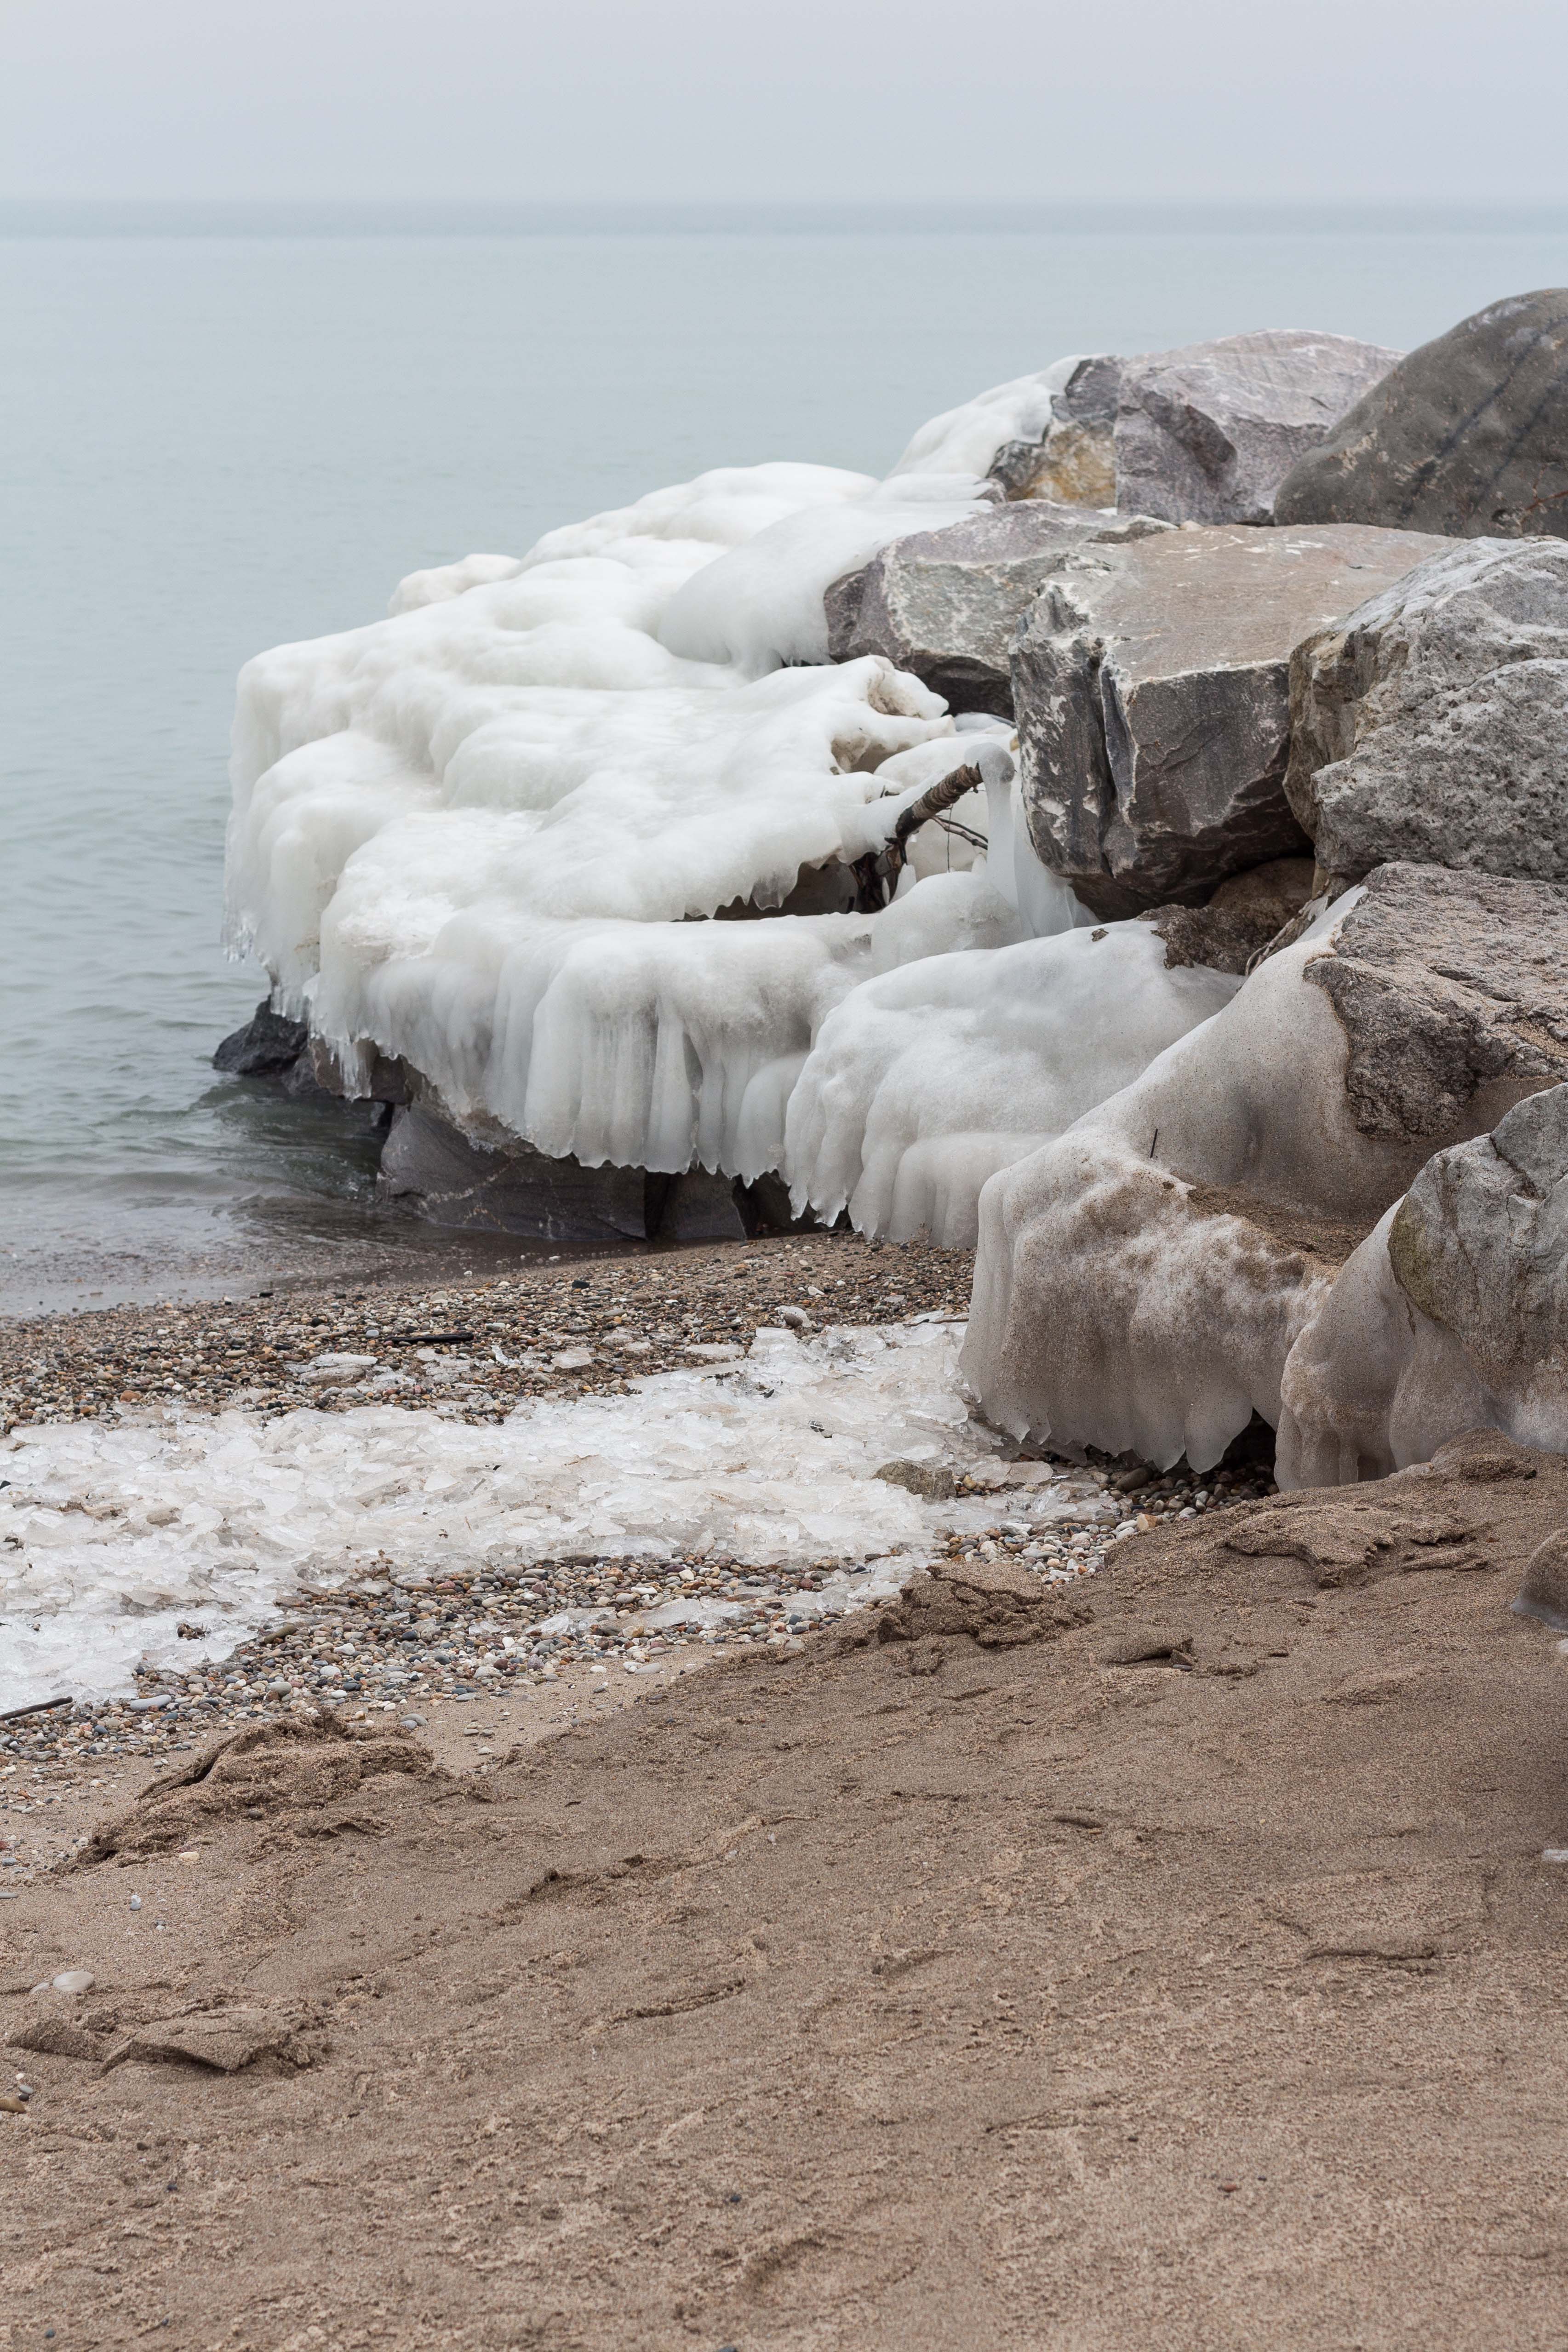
[[220, 431]]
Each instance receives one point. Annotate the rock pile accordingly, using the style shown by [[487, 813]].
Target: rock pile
[[1280, 625]]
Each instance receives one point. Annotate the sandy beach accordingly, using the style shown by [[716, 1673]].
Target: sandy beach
[[1082, 1968]]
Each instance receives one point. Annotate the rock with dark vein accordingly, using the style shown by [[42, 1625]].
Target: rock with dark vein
[[945, 605]]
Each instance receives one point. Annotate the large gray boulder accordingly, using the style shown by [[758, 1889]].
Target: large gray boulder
[[1074, 459], [1150, 685], [1451, 991], [1434, 725], [1207, 433], [945, 604], [1452, 1316], [1469, 435], [1479, 1243]]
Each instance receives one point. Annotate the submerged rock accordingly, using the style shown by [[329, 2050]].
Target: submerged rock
[[268, 1043], [1434, 725], [430, 1167], [1469, 435], [510, 1188], [945, 604], [1151, 687], [1207, 433]]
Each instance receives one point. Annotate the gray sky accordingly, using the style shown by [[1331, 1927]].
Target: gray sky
[[785, 100]]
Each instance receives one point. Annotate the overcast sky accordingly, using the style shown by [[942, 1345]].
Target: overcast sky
[[785, 100]]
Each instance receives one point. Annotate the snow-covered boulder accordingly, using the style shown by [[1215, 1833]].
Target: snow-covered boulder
[[945, 604], [1152, 689], [1467, 436], [1433, 724], [1452, 1314], [1206, 434]]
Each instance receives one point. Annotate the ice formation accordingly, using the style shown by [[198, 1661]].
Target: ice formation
[[488, 834], [1123, 1296], [921, 1084], [113, 1533]]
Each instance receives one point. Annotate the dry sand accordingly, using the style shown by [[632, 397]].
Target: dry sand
[[1176, 1965]]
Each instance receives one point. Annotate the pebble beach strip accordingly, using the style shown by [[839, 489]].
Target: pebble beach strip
[[382, 1650], [471, 1349]]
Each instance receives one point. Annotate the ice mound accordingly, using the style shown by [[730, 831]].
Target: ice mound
[[110, 1535], [921, 1084], [488, 835]]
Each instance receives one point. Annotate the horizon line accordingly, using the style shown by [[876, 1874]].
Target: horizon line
[[392, 216]]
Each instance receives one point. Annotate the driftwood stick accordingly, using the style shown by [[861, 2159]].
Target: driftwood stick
[[940, 798]]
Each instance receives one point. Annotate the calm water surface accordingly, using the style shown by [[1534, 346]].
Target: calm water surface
[[212, 442]]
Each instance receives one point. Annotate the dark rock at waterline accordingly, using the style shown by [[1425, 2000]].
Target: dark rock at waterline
[[1468, 437], [945, 604], [1207, 433], [428, 1166], [431, 1168], [268, 1043], [1434, 725], [1151, 687]]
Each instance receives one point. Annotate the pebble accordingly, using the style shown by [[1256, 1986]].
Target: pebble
[[74, 1980]]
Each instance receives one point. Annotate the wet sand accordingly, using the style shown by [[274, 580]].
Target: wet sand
[[1179, 1963]]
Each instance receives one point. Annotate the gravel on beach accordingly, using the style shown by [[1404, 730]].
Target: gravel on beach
[[472, 1348], [475, 1350]]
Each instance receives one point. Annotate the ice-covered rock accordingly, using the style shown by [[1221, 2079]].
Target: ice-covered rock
[[1028, 412], [1152, 687], [1141, 1282], [1433, 724], [1207, 433], [945, 604], [482, 840], [921, 1084], [1452, 1314], [1468, 437]]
